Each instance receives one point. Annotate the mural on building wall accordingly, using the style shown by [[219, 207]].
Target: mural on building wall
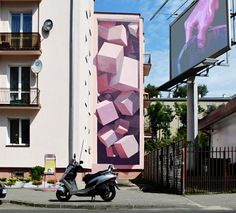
[[117, 111]]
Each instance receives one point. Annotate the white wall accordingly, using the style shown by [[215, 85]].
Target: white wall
[[224, 132], [49, 125]]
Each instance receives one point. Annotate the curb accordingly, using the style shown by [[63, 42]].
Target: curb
[[95, 207]]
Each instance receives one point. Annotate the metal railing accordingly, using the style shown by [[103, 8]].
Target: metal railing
[[192, 169], [19, 41], [20, 97], [210, 169], [147, 59]]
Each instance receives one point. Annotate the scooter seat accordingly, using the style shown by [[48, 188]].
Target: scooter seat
[[89, 177]]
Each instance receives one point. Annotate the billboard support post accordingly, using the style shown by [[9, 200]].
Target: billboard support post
[[192, 118], [192, 110]]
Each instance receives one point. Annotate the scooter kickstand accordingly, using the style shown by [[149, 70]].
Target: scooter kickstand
[[93, 198]]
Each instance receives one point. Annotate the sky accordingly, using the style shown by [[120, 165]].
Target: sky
[[221, 81]]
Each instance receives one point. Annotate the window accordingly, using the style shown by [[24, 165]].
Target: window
[[21, 23], [19, 132], [20, 85]]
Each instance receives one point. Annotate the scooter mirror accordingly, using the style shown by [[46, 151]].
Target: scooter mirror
[[81, 162], [74, 156]]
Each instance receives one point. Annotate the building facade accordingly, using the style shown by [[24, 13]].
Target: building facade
[[57, 111]]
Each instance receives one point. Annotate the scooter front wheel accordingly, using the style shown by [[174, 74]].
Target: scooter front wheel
[[109, 194], [63, 196]]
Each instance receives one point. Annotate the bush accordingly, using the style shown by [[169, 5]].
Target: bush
[[36, 173], [51, 181], [3, 179], [27, 179], [36, 182]]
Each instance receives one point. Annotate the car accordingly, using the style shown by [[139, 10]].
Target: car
[[3, 190]]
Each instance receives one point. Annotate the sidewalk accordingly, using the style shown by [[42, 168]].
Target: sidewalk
[[129, 197]]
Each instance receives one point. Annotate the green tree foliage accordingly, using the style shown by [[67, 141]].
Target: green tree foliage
[[202, 90], [36, 173], [181, 112], [152, 91], [210, 109], [181, 91], [160, 117]]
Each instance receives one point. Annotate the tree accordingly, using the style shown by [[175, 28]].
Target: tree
[[202, 90], [160, 117], [152, 91], [181, 112], [182, 91]]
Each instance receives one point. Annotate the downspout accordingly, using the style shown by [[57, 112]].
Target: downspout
[[71, 102]]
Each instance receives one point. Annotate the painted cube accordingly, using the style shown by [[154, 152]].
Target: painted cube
[[121, 126], [117, 35], [133, 29], [127, 146], [127, 103], [110, 58], [106, 112], [103, 82], [107, 135], [127, 77]]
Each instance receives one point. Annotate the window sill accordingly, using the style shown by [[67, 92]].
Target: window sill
[[18, 145]]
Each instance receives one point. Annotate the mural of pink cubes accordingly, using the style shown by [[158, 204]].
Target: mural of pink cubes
[[118, 102]]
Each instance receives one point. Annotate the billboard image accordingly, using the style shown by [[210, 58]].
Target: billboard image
[[199, 33], [118, 102]]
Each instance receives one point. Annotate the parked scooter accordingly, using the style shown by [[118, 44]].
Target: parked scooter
[[102, 183]]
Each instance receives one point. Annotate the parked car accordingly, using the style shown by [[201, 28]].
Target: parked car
[[3, 190]]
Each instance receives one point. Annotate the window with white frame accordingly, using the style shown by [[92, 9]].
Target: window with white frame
[[19, 132], [20, 84]]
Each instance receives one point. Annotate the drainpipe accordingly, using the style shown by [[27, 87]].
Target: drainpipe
[[71, 101]]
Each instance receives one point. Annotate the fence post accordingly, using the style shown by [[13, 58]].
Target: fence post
[[183, 167]]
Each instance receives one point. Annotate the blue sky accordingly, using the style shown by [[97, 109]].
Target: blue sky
[[221, 80]]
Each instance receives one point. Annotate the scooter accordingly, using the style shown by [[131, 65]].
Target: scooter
[[102, 183]]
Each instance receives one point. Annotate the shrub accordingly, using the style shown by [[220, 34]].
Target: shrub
[[51, 181], [36, 182], [36, 173], [3, 179], [27, 179]]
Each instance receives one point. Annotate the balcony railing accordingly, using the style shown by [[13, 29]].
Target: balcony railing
[[19, 98], [147, 64], [19, 41]]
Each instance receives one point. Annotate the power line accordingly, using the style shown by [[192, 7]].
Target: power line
[[158, 10]]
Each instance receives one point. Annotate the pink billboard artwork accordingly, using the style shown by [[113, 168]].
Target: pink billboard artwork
[[118, 108]]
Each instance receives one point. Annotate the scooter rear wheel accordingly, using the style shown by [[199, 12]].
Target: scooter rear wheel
[[109, 194], [63, 196]]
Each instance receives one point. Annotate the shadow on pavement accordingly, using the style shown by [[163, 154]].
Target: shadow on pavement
[[80, 201]]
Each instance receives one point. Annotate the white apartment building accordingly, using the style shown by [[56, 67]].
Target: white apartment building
[[35, 110], [56, 111]]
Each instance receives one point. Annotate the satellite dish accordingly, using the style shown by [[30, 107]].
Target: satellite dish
[[36, 66]]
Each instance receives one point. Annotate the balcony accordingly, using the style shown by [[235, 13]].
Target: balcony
[[19, 99], [147, 64], [20, 44]]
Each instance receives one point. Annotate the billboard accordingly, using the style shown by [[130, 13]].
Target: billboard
[[118, 88], [201, 32]]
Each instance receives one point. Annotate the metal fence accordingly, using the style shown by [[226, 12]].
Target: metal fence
[[165, 167], [192, 169]]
